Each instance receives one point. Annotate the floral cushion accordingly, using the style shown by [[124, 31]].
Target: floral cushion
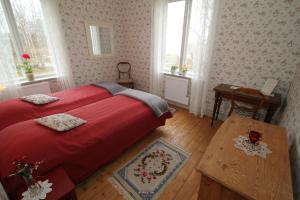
[[39, 99], [61, 122]]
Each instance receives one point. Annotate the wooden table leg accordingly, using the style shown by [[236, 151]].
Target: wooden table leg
[[218, 108], [270, 112], [215, 109], [211, 190]]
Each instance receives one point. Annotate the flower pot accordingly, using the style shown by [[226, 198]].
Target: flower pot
[[30, 76], [173, 71], [183, 73]]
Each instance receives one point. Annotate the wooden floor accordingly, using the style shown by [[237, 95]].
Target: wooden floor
[[184, 129]]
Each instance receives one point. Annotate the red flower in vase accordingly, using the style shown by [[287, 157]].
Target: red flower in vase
[[254, 136], [26, 56]]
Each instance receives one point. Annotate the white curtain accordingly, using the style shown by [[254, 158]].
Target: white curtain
[[202, 24], [95, 35], [158, 35], [57, 43], [7, 63]]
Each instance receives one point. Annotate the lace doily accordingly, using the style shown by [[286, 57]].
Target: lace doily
[[260, 149], [38, 193]]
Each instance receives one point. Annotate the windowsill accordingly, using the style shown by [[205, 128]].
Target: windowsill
[[24, 82], [188, 76]]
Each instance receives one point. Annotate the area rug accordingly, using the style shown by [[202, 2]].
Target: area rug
[[145, 176]]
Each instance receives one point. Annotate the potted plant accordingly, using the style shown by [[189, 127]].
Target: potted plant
[[27, 68], [19, 71], [174, 69], [184, 71]]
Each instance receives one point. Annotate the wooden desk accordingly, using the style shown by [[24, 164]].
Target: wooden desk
[[224, 91], [228, 173]]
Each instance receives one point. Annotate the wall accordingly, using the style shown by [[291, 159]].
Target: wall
[[137, 21], [74, 14], [256, 40], [291, 119]]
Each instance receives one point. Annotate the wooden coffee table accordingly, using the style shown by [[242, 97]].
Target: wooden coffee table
[[228, 173]]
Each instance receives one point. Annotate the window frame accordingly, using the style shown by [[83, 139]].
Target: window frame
[[185, 32], [17, 42]]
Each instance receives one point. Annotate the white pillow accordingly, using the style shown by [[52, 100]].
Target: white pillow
[[39, 99], [60, 122]]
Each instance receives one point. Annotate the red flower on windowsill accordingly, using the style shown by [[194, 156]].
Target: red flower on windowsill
[[26, 56]]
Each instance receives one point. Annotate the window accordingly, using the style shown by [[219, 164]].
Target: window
[[25, 28], [177, 52], [174, 33]]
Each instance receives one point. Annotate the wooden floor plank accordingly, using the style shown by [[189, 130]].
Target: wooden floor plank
[[185, 130]]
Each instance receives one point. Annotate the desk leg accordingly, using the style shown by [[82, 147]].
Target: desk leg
[[218, 108], [209, 189], [215, 109], [270, 112]]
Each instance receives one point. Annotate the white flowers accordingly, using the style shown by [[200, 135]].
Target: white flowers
[[39, 192]]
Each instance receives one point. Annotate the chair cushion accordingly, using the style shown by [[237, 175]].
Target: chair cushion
[[39, 99], [61, 122]]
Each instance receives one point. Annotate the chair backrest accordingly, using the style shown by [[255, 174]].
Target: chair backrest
[[252, 106], [124, 68]]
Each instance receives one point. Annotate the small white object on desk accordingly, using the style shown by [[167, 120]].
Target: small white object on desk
[[269, 86], [234, 87]]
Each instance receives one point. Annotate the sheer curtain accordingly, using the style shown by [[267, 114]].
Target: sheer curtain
[[7, 68], [202, 24], [56, 42], [7, 63], [95, 40], [158, 35]]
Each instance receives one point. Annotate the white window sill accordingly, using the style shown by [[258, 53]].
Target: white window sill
[[24, 81], [188, 76]]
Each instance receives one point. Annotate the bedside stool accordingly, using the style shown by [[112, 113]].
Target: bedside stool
[[62, 187]]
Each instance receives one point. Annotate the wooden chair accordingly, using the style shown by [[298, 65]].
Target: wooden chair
[[251, 106], [124, 69]]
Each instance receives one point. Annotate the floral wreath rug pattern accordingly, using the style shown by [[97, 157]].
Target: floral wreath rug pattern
[[145, 176], [153, 165]]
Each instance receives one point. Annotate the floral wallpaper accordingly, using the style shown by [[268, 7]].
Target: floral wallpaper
[[131, 21], [256, 40], [137, 21], [74, 14], [291, 119]]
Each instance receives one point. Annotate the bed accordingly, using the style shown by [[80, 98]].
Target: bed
[[113, 125], [15, 110]]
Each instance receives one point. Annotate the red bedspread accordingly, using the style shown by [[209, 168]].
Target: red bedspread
[[16, 110], [113, 125]]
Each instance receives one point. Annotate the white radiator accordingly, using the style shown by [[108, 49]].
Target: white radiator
[[36, 88], [176, 89]]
